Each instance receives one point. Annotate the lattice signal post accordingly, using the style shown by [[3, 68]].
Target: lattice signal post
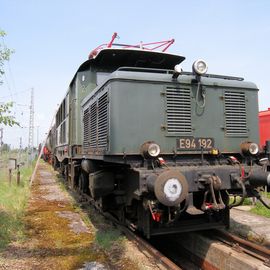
[[31, 127]]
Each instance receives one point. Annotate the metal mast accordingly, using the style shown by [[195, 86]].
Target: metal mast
[[20, 150], [31, 125]]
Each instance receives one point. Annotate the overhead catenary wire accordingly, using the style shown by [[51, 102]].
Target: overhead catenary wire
[[15, 94], [20, 111]]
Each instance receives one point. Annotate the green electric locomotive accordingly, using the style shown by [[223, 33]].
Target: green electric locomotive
[[161, 149]]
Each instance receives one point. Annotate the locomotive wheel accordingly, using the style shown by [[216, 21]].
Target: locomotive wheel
[[66, 174], [55, 163], [83, 183]]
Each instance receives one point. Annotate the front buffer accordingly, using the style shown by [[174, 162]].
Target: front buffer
[[180, 199]]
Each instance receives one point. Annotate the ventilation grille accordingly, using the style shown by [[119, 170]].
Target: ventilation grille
[[178, 111], [235, 113], [93, 125], [96, 125], [103, 121], [86, 133]]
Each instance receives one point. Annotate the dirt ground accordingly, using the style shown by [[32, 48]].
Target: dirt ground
[[59, 235]]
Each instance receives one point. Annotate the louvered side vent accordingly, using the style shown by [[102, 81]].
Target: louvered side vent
[[103, 121], [178, 111], [86, 130], [93, 125], [235, 113]]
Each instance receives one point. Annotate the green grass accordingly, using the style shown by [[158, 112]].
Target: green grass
[[13, 202], [106, 239], [247, 201], [261, 210]]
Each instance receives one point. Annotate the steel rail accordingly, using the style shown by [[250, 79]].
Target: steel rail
[[245, 246], [159, 258], [157, 255]]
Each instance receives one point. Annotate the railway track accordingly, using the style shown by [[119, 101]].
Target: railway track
[[171, 251], [188, 260], [213, 250], [162, 261], [244, 246]]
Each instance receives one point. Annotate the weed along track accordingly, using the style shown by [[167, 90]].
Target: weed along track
[[65, 232], [66, 237], [60, 236], [50, 234]]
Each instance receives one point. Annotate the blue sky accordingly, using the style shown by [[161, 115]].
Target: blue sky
[[52, 38]]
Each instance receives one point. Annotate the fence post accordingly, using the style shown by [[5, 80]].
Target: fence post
[[18, 175], [9, 176], [12, 165]]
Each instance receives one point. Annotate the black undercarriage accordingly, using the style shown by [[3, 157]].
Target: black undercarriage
[[128, 191]]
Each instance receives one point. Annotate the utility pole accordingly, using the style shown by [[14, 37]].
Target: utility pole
[[31, 128], [20, 150]]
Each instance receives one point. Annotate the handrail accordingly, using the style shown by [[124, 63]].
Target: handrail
[[168, 71]]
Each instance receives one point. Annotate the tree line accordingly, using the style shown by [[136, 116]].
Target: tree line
[[5, 108]]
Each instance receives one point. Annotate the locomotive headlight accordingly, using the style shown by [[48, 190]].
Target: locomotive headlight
[[150, 150], [250, 148], [253, 149], [153, 150], [199, 67]]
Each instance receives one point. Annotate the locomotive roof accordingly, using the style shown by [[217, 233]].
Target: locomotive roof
[[113, 58]]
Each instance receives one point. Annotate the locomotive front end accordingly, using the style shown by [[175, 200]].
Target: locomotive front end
[[200, 146], [171, 148]]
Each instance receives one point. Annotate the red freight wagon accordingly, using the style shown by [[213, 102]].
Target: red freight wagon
[[264, 123]]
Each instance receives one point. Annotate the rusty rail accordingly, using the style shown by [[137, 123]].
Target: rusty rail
[[157, 255], [243, 245], [160, 259]]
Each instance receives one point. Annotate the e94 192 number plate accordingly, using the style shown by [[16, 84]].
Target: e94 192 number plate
[[191, 143]]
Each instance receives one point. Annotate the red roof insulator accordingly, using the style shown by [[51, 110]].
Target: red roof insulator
[[165, 44], [112, 40], [169, 44], [93, 54]]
